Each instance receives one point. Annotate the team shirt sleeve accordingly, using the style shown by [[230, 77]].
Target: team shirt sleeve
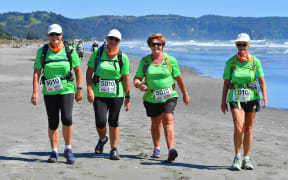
[[37, 63], [226, 75], [91, 62], [175, 67], [259, 68], [75, 59], [140, 73], [126, 65]]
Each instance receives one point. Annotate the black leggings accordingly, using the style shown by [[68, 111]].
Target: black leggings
[[55, 103], [102, 105]]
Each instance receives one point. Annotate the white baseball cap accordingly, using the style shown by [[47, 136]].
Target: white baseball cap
[[54, 28], [243, 37], [114, 33]]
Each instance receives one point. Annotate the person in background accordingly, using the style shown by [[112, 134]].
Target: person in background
[[107, 89], [94, 46], [241, 73], [57, 61], [80, 49], [155, 76]]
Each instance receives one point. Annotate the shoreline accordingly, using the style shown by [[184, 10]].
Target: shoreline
[[203, 135]]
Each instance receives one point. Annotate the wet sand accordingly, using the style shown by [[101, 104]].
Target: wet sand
[[204, 136]]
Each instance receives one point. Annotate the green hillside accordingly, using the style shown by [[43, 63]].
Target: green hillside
[[34, 26]]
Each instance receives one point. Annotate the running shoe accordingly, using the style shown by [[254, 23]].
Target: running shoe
[[100, 146], [246, 164], [172, 155], [156, 153], [53, 157], [236, 166], [114, 154], [70, 159]]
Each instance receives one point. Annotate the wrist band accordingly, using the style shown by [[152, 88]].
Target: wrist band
[[127, 97], [79, 88]]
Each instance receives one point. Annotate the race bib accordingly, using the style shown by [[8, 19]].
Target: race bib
[[53, 84], [162, 94], [107, 86], [244, 95]]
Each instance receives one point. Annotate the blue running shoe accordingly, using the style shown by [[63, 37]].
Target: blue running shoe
[[100, 146], [172, 155], [114, 154], [53, 157], [156, 153], [69, 156]]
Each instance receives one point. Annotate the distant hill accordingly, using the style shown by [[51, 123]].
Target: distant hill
[[34, 26]]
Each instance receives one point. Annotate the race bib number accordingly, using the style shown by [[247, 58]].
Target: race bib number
[[53, 84], [162, 94], [107, 86], [244, 95]]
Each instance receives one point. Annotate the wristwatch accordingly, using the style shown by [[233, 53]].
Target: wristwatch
[[79, 88]]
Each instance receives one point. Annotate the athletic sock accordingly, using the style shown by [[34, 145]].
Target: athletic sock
[[68, 147], [54, 149], [170, 149], [238, 155], [246, 158], [157, 148]]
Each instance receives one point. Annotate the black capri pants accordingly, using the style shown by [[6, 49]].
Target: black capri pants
[[102, 106], [56, 103]]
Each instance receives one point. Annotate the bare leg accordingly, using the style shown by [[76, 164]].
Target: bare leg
[[238, 119], [168, 124], [156, 123]]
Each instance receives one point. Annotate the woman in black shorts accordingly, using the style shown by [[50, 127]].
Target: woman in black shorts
[[155, 75], [241, 74]]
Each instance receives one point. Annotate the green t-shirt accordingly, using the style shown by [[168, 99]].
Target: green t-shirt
[[60, 67], [243, 73], [107, 71], [158, 77]]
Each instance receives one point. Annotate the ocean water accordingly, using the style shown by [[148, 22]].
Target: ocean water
[[208, 58]]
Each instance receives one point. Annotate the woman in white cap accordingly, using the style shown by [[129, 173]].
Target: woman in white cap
[[57, 60], [241, 74], [107, 78]]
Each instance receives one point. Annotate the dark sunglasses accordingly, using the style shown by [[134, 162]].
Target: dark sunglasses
[[240, 44], [55, 34], [113, 38], [154, 44]]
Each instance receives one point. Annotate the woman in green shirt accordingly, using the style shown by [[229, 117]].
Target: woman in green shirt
[[240, 76], [107, 88], [57, 60], [155, 75]]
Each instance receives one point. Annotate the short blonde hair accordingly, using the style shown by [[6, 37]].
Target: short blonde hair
[[158, 36]]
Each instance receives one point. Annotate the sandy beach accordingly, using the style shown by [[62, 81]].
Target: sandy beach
[[203, 134]]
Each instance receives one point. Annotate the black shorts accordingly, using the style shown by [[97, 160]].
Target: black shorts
[[80, 54], [251, 106], [156, 109]]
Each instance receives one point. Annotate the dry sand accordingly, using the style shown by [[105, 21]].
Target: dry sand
[[204, 136]]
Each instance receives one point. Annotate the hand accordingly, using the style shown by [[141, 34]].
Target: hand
[[90, 96], [78, 95], [35, 98], [127, 104], [186, 99], [264, 101], [224, 108], [143, 87]]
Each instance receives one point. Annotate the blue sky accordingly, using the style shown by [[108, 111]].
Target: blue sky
[[190, 8]]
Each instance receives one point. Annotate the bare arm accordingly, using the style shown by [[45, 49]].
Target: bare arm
[[35, 94], [181, 84], [90, 93], [137, 81], [126, 85], [78, 95], [263, 88], [224, 107]]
